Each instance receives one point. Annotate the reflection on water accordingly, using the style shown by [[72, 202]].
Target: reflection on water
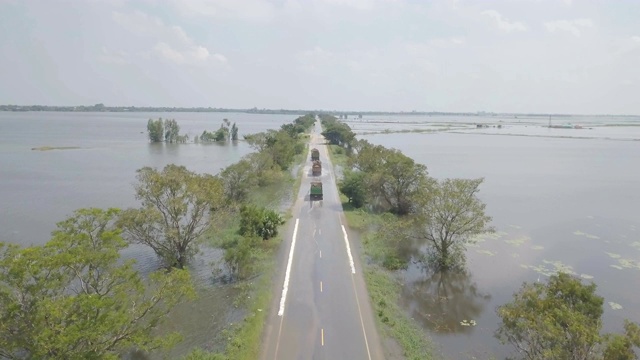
[[568, 204], [444, 302], [40, 188]]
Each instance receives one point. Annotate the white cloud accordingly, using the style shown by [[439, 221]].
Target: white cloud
[[117, 57], [170, 41], [256, 10], [447, 42], [636, 38], [571, 26], [357, 4], [502, 23]]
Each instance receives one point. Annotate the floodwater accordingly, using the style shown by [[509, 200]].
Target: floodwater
[[40, 188], [561, 199]]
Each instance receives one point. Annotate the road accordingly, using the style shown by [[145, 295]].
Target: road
[[321, 308]]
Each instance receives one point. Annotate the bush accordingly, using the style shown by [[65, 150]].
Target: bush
[[259, 221]]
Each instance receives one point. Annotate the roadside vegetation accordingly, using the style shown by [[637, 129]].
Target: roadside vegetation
[[405, 215], [75, 297]]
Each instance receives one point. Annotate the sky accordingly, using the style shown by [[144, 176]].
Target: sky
[[518, 56]]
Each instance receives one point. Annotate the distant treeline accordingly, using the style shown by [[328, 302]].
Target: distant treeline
[[339, 114]]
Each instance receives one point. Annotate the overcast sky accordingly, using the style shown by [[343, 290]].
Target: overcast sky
[[539, 56]]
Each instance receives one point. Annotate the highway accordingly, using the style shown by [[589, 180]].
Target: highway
[[321, 309]]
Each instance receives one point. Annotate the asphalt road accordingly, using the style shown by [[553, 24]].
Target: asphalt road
[[321, 309]]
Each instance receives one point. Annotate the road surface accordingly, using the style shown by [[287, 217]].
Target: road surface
[[321, 309]]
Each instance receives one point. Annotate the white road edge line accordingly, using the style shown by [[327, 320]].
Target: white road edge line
[[346, 242], [285, 286]]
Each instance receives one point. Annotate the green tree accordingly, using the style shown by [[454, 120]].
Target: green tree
[[239, 256], [561, 319], [393, 180], [177, 207], [448, 216], [353, 186], [401, 180], [238, 179], [234, 132], [155, 129], [171, 131], [259, 221], [74, 298]]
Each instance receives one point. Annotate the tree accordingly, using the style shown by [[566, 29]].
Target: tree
[[155, 128], [401, 180], [239, 256], [448, 216], [353, 186], [238, 179], [172, 131], [73, 298], [177, 207], [234, 132], [392, 179], [259, 221], [561, 319]]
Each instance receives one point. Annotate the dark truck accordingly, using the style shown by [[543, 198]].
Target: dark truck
[[316, 191], [316, 168], [315, 154]]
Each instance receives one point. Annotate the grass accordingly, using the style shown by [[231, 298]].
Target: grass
[[245, 338], [382, 285], [48, 148]]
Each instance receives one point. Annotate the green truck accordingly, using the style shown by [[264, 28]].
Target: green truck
[[316, 191], [315, 154]]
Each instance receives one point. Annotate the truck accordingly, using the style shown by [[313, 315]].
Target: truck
[[315, 154], [315, 193], [316, 168]]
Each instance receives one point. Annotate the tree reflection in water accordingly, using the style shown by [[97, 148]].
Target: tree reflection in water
[[440, 301]]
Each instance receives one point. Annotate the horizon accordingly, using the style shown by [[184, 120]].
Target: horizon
[[105, 108]]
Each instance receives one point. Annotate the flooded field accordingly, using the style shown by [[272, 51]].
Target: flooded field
[[90, 161], [561, 199]]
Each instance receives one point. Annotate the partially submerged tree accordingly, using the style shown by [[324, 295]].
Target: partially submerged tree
[[73, 298], [177, 207], [238, 179], [234, 132], [448, 216], [561, 319], [155, 129], [171, 131]]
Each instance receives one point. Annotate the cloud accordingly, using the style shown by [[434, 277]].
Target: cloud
[[253, 10], [447, 42], [171, 42], [571, 26], [117, 57], [357, 4], [636, 38], [502, 23]]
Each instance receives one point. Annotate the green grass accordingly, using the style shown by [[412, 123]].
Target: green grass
[[383, 291], [338, 155], [383, 288], [49, 148], [245, 338]]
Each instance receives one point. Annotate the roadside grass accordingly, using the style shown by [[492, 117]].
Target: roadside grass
[[382, 285], [244, 340], [338, 155]]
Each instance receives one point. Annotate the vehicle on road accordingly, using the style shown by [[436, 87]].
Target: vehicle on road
[[315, 154], [316, 168], [315, 193]]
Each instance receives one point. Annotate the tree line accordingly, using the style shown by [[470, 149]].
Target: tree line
[[76, 298], [168, 131], [559, 319]]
